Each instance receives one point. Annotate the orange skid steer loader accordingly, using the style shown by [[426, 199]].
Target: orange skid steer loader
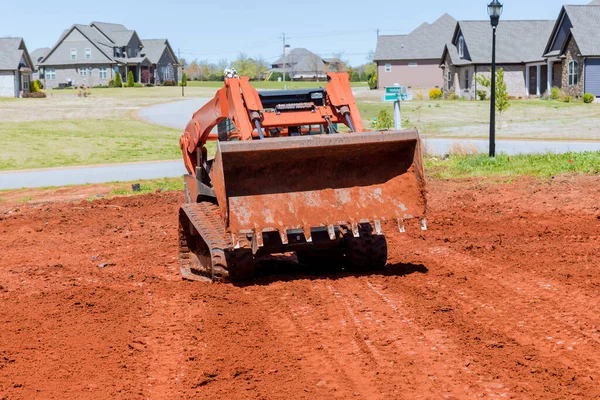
[[285, 179]]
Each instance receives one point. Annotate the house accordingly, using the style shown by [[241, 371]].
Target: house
[[519, 52], [302, 64], [413, 60], [16, 67], [573, 50], [36, 56], [93, 54]]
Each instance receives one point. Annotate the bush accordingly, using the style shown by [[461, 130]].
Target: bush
[[588, 98], [138, 85], [373, 82], [34, 95], [482, 94], [118, 81], [169, 82], [419, 95], [35, 87], [435, 94], [453, 96], [102, 86], [183, 80], [567, 99], [354, 77], [363, 76], [39, 83], [111, 83], [130, 80], [384, 119], [146, 76], [150, 85], [555, 93]]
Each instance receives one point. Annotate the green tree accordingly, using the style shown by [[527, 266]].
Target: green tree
[[384, 119], [502, 102], [373, 82], [183, 79], [118, 81], [130, 81]]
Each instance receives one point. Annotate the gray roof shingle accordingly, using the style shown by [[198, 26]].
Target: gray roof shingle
[[12, 51], [38, 54], [426, 42], [516, 41], [585, 30], [154, 49], [117, 33], [300, 60]]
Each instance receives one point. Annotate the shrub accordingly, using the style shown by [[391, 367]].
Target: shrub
[[555, 93], [35, 87], [384, 119], [354, 77], [146, 76], [453, 96], [363, 76], [169, 82], [567, 99], [588, 98], [34, 95], [118, 81], [150, 85], [435, 94], [419, 95], [138, 85], [373, 82], [39, 83], [111, 83], [183, 80], [482, 94], [102, 86], [130, 80]]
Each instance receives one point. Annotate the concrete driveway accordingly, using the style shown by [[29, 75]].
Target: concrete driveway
[[172, 115]]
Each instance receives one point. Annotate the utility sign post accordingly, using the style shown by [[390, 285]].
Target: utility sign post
[[396, 94]]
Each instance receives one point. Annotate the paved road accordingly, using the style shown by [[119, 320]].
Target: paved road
[[96, 174], [173, 115]]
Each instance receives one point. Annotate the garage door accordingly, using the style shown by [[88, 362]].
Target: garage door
[[592, 76]]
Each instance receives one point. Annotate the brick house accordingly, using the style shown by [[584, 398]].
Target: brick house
[[413, 60], [519, 52], [573, 50], [93, 54], [16, 67]]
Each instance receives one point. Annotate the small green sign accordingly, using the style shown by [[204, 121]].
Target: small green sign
[[394, 97], [393, 89]]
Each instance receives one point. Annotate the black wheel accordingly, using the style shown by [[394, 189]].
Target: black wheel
[[321, 260], [367, 252]]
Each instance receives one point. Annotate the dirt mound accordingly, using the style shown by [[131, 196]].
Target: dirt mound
[[498, 298]]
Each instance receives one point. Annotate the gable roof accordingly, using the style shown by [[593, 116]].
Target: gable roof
[[584, 20], [516, 42], [117, 33], [38, 54], [300, 60], [154, 49], [425, 42], [13, 50], [91, 34]]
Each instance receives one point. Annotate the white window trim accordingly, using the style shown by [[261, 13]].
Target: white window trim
[[573, 73], [461, 47], [449, 77], [102, 73], [88, 54], [73, 53], [50, 74], [388, 67], [413, 64]]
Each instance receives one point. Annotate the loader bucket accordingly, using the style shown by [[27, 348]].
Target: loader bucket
[[305, 182]]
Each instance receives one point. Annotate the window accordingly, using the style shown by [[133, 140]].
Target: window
[[90, 69], [573, 73], [82, 71], [25, 82], [88, 54], [102, 72], [449, 78], [50, 74], [412, 64], [461, 47], [73, 54], [388, 67], [467, 79]]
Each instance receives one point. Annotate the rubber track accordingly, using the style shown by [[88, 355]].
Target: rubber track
[[228, 264]]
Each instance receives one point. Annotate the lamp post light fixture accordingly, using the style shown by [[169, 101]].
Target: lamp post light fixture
[[494, 11]]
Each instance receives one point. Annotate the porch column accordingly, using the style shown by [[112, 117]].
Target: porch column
[[527, 80], [539, 78], [550, 63], [139, 73]]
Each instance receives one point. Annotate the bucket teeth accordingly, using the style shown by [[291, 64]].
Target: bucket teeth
[[355, 232], [283, 235], [377, 224], [401, 226], [424, 224], [331, 232], [307, 234]]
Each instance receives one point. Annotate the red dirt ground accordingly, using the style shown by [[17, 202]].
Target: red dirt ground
[[499, 298]]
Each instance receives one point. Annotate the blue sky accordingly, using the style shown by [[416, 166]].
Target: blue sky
[[215, 30]]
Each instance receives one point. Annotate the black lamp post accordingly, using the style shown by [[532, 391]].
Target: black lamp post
[[494, 11]]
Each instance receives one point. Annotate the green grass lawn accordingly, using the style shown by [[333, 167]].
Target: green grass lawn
[[84, 142], [273, 85], [537, 165]]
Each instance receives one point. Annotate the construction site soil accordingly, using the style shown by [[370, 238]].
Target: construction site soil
[[499, 298]]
